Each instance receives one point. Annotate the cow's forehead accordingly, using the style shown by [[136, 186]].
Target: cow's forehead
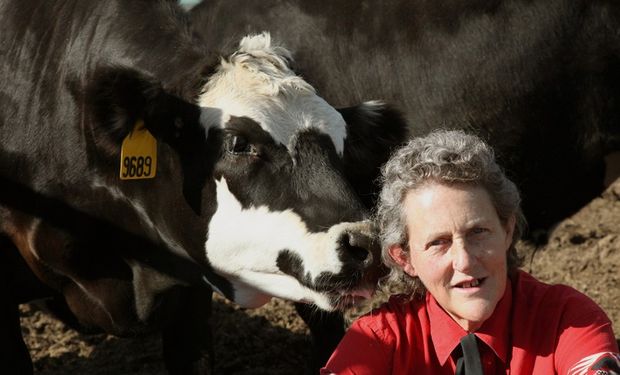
[[285, 118], [256, 82]]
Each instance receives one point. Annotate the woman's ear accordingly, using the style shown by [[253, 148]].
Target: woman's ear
[[401, 257]]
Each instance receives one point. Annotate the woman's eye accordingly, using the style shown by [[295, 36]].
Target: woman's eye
[[479, 231], [437, 243], [239, 145]]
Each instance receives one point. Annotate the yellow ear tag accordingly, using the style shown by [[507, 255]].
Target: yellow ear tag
[[138, 154]]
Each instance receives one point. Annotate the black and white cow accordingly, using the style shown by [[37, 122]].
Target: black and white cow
[[258, 185], [539, 79]]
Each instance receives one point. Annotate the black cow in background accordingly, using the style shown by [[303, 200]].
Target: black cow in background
[[253, 178], [539, 79]]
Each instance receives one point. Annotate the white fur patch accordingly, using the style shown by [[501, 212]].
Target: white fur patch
[[210, 117], [257, 82], [243, 245]]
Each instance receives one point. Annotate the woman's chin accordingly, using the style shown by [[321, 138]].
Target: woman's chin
[[471, 315]]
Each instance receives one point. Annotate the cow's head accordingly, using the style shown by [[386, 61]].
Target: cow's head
[[281, 179]]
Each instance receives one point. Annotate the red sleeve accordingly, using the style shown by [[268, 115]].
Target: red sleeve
[[364, 350], [586, 341]]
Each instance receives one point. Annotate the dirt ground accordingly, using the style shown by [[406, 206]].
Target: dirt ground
[[583, 251]]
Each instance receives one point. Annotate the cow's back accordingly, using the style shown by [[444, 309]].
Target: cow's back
[[61, 201]]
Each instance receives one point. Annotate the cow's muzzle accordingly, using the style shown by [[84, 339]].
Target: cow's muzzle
[[358, 248]]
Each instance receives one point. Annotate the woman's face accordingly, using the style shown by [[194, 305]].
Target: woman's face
[[458, 248]]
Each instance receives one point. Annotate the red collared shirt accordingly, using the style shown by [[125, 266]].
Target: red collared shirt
[[535, 329]]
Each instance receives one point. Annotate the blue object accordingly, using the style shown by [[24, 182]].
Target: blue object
[[187, 4]]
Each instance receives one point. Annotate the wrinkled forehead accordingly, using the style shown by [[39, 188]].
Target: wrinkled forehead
[[256, 82]]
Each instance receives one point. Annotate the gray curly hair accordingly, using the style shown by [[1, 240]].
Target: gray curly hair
[[446, 157]]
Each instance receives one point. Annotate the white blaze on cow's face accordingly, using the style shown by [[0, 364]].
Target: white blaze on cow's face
[[289, 242], [245, 245]]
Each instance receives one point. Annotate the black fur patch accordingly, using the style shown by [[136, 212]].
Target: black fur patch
[[373, 132], [117, 98], [309, 180]]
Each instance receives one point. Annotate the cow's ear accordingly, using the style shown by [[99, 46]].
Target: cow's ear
[[118, 98], [374, 130]]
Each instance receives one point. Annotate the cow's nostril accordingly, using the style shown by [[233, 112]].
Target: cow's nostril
[[358, 253], [353, 246]]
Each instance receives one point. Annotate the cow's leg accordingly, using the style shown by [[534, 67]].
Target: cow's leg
[[327, 328], [187, 339], [57, 306], [14, 355]]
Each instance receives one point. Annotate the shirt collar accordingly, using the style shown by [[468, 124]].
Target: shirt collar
[[446, 333]]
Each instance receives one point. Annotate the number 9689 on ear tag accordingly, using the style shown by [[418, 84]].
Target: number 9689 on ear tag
[[138, 154]]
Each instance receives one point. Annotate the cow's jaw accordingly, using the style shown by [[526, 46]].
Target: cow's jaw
[[245, 246]]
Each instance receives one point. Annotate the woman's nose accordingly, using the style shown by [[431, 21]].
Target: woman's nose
[[463, 256]]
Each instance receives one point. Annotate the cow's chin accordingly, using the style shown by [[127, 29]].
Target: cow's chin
[[256, 289], [251, 298], [344, 300]]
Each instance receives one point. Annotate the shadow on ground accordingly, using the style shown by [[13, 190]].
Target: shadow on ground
[[246, 342]]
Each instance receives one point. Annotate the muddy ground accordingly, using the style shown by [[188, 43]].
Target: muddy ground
[[583, 251]]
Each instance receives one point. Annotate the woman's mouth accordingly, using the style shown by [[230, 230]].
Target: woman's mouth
[[471, 284]]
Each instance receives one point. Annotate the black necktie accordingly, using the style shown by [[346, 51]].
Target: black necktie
[[469, 362]]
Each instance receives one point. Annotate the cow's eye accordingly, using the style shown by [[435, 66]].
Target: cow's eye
[[239, 145]]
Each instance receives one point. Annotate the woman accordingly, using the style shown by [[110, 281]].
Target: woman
[[450, 219]]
